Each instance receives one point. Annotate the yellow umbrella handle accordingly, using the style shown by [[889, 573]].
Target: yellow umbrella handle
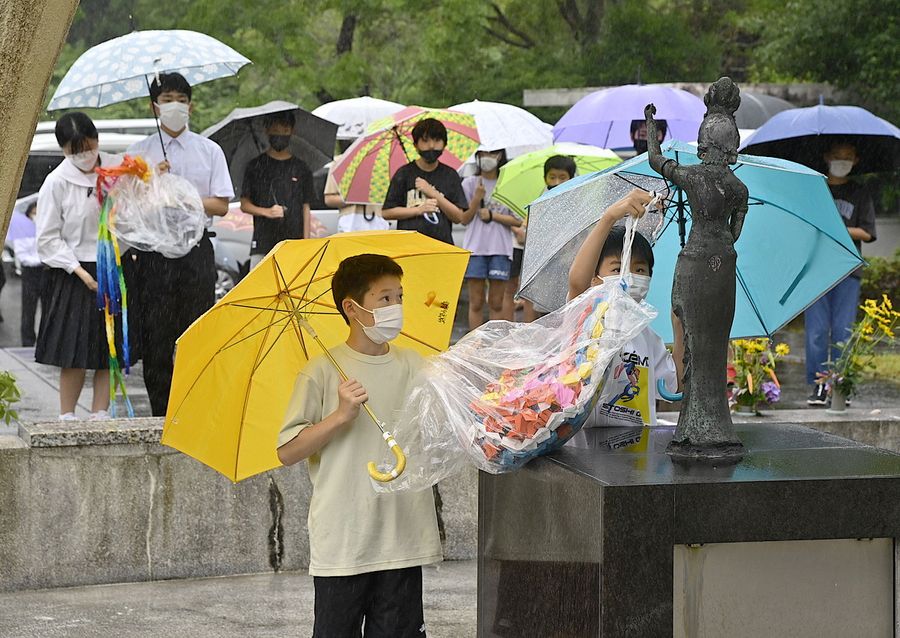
[[384, 477]]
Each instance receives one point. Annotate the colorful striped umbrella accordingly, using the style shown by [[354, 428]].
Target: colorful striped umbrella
[[364, 171]]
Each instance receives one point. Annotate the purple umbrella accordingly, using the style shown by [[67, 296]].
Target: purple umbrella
[[19, 224], [604, 117], [803, 136]]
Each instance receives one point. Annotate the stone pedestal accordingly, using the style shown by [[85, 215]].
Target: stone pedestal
[[797, 539]]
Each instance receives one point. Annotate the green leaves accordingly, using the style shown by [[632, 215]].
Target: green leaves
[[9, 394]]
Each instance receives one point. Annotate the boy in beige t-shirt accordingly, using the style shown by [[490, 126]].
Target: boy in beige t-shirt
[[366, 550]]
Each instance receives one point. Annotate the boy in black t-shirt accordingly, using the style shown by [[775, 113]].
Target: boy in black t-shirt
[[276, 190], [426, 195]]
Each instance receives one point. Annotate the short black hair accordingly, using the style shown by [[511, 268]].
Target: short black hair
[[429, 129], [560, 163], [169, 82], [355, 275], [281, 117], [75, 129], [615, 241], [661, 126]]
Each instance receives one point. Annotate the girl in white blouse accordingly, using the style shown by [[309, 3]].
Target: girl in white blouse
[[72, 333]]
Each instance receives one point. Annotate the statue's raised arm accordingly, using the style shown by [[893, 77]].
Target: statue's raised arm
[[666, 167]]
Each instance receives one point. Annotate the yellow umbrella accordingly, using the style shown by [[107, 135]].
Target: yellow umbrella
[[235, 366]]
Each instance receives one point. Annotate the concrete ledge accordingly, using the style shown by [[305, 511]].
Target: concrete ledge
[[102, 502], [878, 428], [110, 432]]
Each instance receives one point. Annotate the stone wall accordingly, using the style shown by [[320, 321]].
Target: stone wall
[[32, 33], [96, 504]]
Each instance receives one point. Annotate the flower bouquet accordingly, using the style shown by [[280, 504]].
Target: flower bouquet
[[876, 328], [754, 382], [509, 392]]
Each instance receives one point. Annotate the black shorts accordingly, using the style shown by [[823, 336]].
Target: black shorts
[[389, 601], [516, 269]]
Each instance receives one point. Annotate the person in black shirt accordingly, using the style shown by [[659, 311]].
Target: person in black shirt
[[829, 320], [426, 195], [277, 189]]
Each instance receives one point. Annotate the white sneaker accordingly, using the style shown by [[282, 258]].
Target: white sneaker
[[99, 415], [68, 416]]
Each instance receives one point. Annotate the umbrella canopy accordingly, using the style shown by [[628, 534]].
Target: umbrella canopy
[[803, 135], [604, 117], [235, 366], [508, 127], [242, 136], [521, 181], [353, 116], [363, 172], [758, 108], [20, 226], [120, 69], [793, 248]]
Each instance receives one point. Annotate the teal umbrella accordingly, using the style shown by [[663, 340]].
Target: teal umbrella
[[794, 246]]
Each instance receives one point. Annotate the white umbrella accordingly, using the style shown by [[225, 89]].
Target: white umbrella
[[354, 115], [121, 69], [505, 126]]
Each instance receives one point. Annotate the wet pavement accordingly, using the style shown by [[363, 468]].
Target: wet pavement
[[252, 606]]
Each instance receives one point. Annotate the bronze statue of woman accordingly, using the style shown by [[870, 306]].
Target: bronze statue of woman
[[703, 293]]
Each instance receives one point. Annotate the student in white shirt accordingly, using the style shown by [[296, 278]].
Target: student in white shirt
[[645, 359], [25, 248], [172, 293], [72, 334]]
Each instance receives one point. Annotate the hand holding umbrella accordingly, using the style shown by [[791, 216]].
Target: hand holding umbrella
[[353, 395]]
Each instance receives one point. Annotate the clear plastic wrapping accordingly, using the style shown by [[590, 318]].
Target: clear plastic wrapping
[[162, 214], [509, 392]]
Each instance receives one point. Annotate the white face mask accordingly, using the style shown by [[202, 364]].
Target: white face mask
[[388, 323], [174, 115], [86, 160], [639, 287], [487, 163], [840, 168]]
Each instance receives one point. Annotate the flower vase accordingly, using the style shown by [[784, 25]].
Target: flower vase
[[743, 408], [838, 401]]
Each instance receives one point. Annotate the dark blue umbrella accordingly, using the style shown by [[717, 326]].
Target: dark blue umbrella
[[803, 136]]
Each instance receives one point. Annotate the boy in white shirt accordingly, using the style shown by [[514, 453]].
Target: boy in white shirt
[[366, 550], [645, 359]]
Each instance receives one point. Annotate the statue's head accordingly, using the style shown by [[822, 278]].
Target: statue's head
[[718, 140]]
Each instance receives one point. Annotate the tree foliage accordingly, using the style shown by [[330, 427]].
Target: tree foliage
[[450, 51]]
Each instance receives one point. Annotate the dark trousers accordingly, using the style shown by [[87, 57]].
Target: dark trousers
[[168, 294], [389, 601], [32, 291]]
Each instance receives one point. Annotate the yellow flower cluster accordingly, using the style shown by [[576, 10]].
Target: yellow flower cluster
[[881, 314]]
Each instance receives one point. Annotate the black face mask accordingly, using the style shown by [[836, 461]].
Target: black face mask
[[550, 187], [640, 146], [431, 156], [279, 142]]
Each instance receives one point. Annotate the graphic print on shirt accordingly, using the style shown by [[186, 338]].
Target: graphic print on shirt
[[415, 197], [845, 208], [628, 382]]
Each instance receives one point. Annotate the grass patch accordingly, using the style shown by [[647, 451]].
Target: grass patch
[[887, 368]]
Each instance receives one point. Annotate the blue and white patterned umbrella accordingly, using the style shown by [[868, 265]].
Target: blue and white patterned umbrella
[[120, 69]]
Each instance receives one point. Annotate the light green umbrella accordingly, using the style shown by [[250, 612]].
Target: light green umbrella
[[522, 180]]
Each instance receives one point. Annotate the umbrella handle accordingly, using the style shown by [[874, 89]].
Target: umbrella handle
[[384, 477]]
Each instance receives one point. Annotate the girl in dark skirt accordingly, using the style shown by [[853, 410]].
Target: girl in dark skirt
[[72, 333]]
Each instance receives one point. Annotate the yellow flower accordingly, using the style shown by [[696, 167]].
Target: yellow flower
[[887, 331], [782, 349], [887, 301]]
